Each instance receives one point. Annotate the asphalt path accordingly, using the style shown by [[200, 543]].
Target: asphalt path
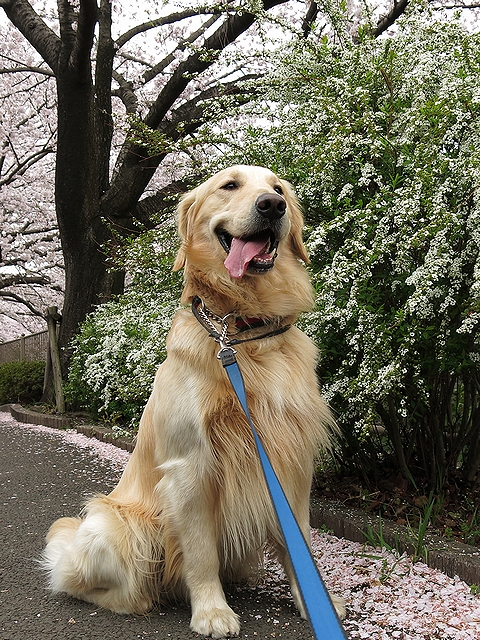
[[42, 478]]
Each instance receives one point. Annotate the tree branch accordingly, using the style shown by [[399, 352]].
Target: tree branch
[[150, 206], [26, 231], [158, 68], [193, 111], [232, 27], [13, 297], [66, 17], [126, 93], [103, 86], [191, 114], [87, 20], [132, 58], [310, 17], [161, 21], [135, 167], [22, 166], [473, 5], [9, 280], [22, 15], [43, 72], [384, 23]]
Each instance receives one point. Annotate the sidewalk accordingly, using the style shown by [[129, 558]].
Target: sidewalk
[[451, 557], [46, 473]]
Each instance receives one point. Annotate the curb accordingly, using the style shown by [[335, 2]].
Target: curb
[[60, 422], [32, 417], [105, 435], [450, 557]]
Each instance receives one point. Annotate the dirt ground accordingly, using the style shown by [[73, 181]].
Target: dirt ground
[[454, 513]]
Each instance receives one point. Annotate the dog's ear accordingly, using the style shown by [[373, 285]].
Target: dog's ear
[[296, 223], [183, 225]]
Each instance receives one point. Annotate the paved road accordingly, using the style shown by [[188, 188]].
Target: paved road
[[42, 478]]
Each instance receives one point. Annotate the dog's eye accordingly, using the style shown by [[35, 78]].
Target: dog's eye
[[278, 189], [230, 186]]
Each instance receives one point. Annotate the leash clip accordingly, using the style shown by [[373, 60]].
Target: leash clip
[[226, 355]]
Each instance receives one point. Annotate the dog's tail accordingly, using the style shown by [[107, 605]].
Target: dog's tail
[[111, 557]]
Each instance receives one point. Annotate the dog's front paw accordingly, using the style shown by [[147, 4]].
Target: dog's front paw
[[217, 623]]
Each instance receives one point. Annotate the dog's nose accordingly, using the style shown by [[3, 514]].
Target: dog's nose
[[271, 206]]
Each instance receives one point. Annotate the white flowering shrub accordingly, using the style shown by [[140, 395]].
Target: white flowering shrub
[[382, 141], [122, 343]]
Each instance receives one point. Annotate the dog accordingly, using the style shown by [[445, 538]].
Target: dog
[[192, 510]]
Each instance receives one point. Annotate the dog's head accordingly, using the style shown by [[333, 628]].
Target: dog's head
[[240, 218]]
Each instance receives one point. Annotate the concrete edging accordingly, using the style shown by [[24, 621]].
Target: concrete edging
[[450, 557], [61, 422]]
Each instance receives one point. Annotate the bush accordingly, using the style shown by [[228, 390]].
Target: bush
[[116, 355], [21, 382], [382, 141], [122, 343]]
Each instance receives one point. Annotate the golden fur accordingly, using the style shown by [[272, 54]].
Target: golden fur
[[191, 509]]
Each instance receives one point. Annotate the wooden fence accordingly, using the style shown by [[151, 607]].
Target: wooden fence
[[31, 347]]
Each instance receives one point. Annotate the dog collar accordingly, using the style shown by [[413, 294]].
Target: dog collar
[[218, 327]]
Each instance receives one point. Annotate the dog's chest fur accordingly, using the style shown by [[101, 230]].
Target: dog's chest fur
[[286, 409]]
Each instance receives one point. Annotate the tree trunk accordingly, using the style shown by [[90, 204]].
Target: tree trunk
[[82, 166]]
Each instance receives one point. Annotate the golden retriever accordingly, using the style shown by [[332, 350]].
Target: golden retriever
[[192, 509]]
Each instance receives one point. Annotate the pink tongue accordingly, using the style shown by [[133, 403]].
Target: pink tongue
[[241, 253]]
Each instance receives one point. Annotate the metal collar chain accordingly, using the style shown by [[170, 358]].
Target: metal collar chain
[[207, 313], [220, 336]]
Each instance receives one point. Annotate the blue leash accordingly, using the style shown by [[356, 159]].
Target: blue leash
[[320, 610]]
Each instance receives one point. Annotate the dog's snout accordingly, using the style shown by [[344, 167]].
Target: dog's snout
[[271, 205]]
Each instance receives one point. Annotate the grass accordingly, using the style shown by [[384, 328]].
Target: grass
[[416, 535], [375, 538]]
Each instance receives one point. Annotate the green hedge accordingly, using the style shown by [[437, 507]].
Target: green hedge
[[21, 381]]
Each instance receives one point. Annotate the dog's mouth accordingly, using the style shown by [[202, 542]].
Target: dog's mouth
[[255, 253]]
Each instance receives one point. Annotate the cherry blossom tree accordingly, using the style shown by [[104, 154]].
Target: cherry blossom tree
[[162, 71], [31, 272]]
